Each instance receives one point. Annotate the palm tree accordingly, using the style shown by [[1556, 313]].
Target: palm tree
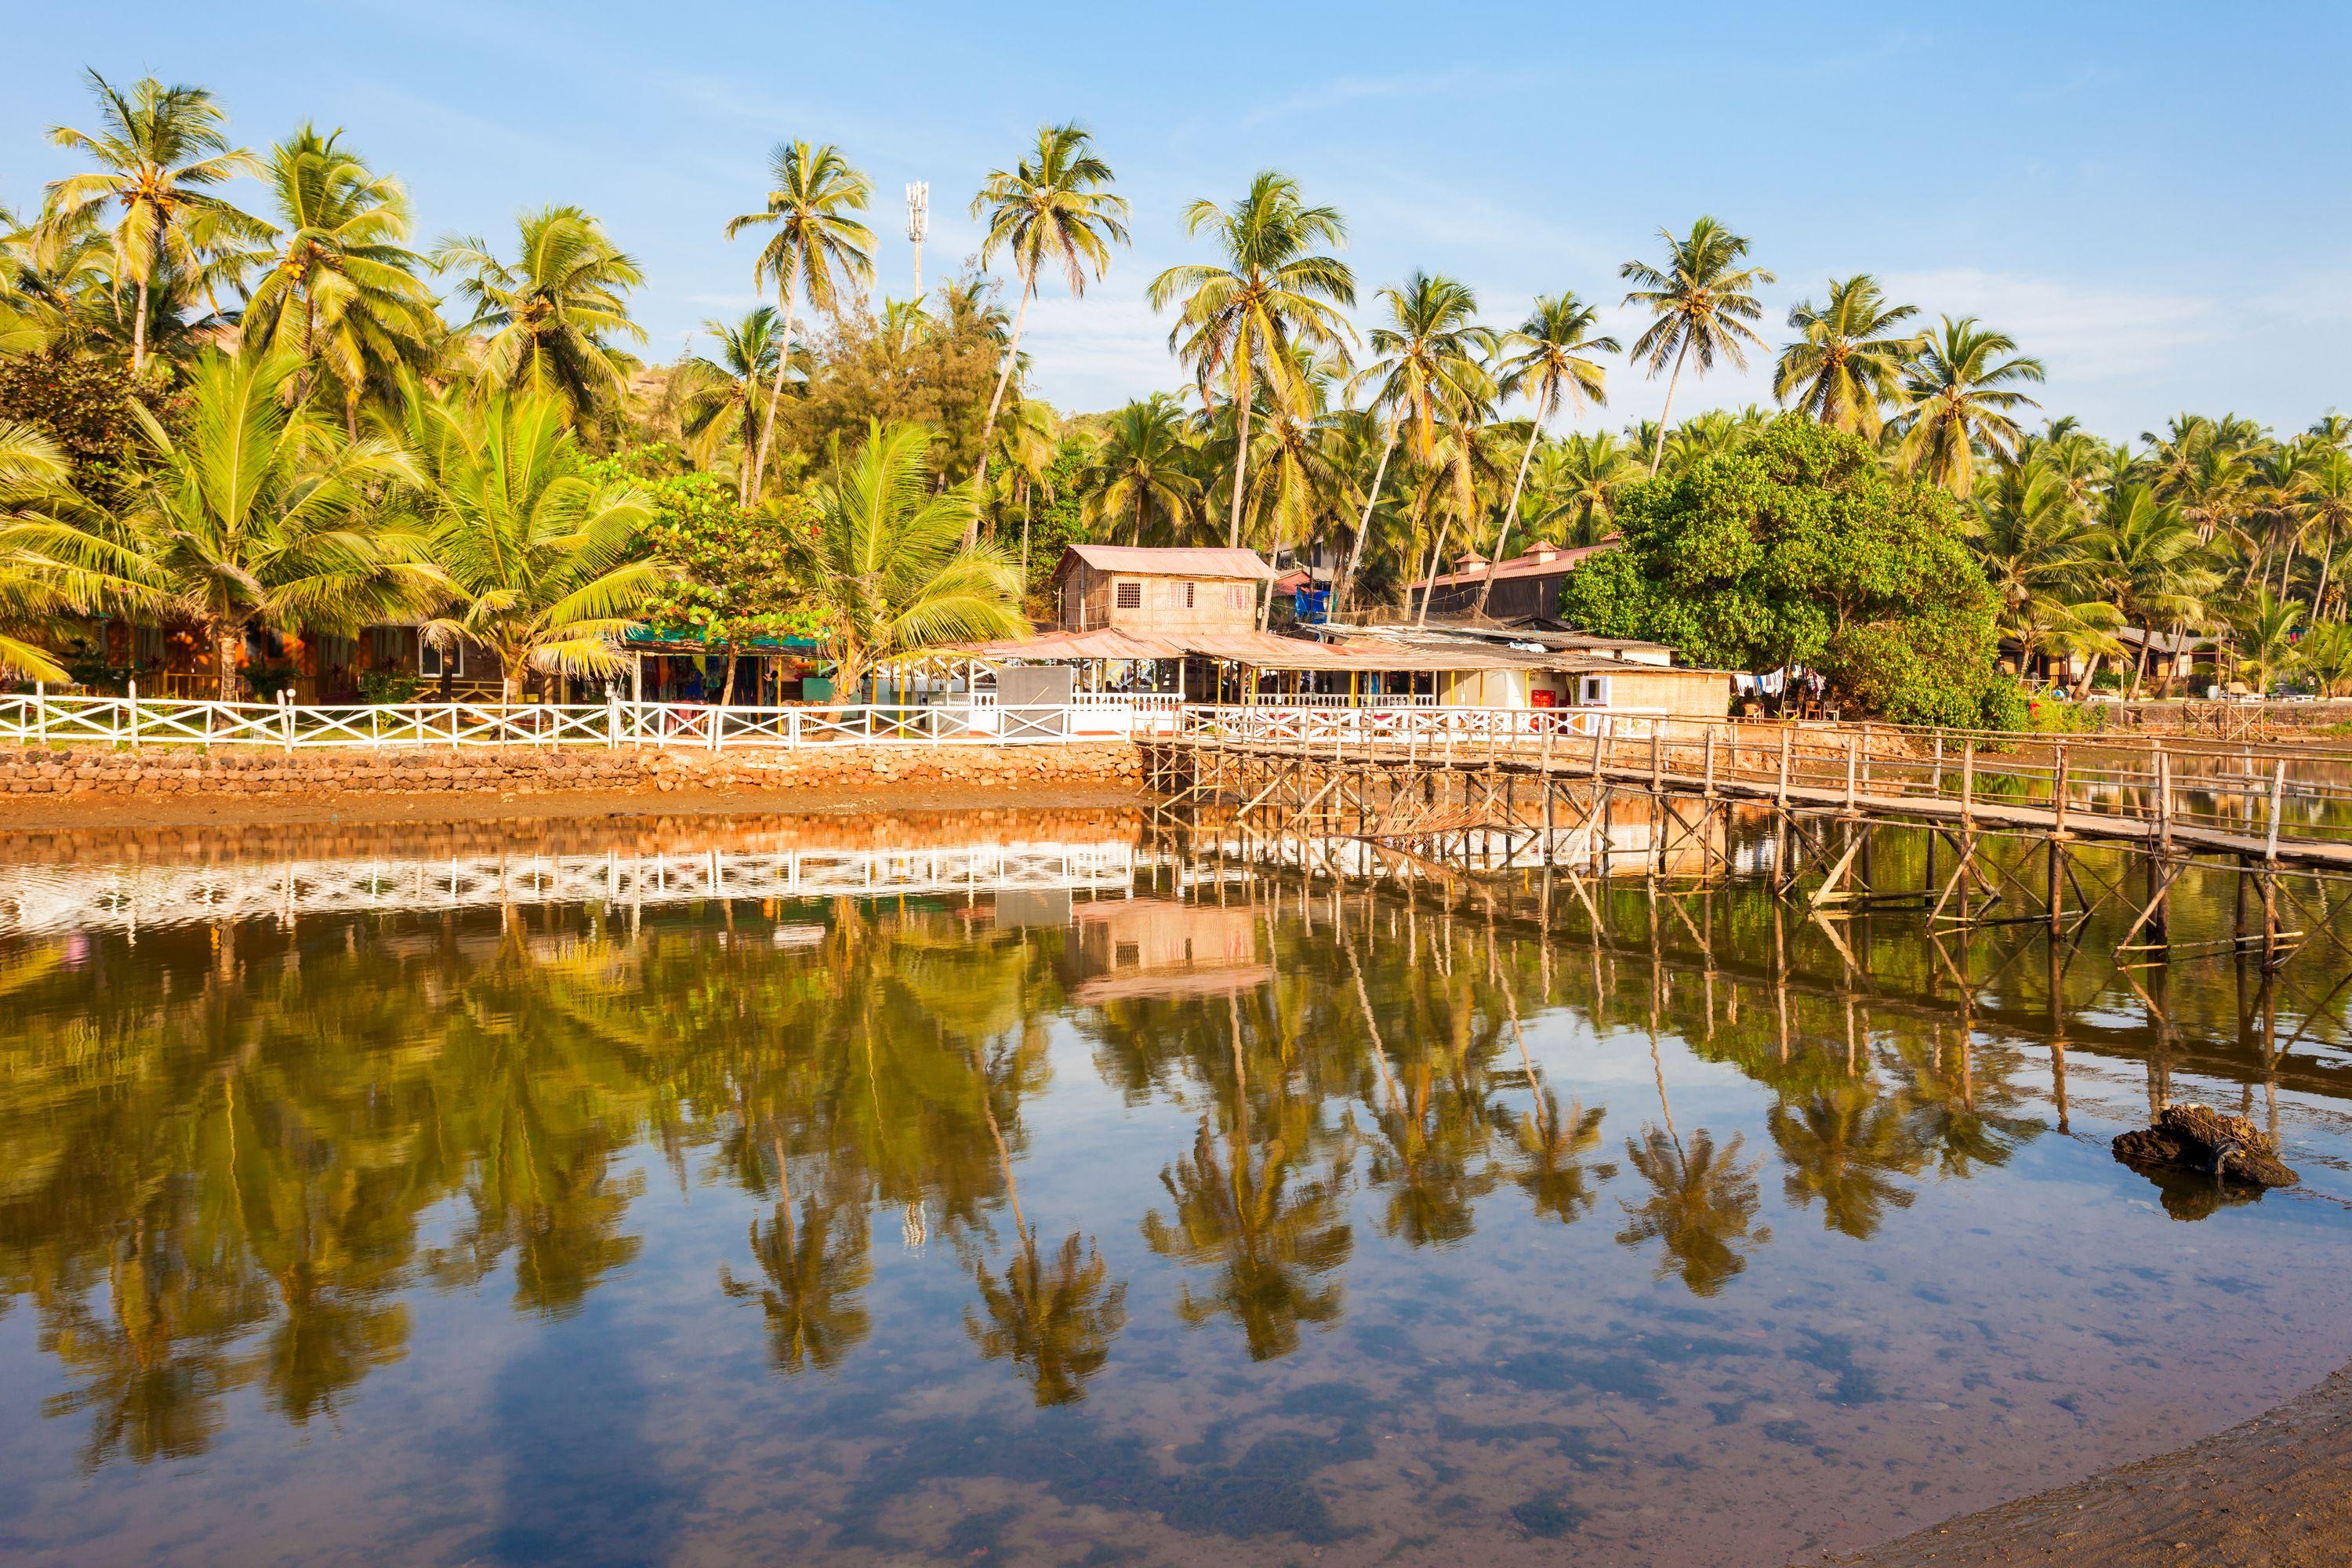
[[1577, 479], [256, 515], [1845, 1145], [1846, 364], [160, 150], [2150, 565], [549, 313], [1430, 366], [340, 290], [729, 391], [2328, 515], [1049, 207], [49, 567], [1240, 319], [1701, 301], [888, 562], [2266, 648], [1551, 367], [1959, 396], [1702, 1206], [1142, 473], [544, 570], [2045, 559], [818, 248]]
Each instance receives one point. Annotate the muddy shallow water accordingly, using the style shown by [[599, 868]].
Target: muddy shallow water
[[1011, 1189]]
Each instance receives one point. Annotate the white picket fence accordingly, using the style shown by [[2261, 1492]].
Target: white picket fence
[[40, 718], [1412, 727]]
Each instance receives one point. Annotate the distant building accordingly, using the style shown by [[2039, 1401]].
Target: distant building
[[1129, 588], [1528, 584]]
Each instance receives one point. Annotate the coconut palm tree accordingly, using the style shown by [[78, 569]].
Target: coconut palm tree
[[340, 289], [1959, 395], [1845, 1145], [1702, 1207], [2328, 515], [891, 571], [817, 248], [548, 313], [50, 567], [1700, 303], [1142, 474], [1240, 318], [2150, 565], [160, 150], [1052, 207], [2044, 558], [1577, 480], [543, 568], [1552, 366], [729, 391], [2264, 647], [1430, 367], [255, 514], [1847, 363]]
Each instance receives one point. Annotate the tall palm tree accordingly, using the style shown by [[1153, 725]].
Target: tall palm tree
[[2151, 566], [340, 291], [889, 563], [1142, 474], [549, 312], [1050, 207], [818, 247], [256, 515], [1959, 395], [2045, 560], [1552, 366], [730, 391], [1847, 363], [2328, 514], [160, 151], [1700, 301], [544, 568], [2265, 645], [1429, 367], [1240, 318]]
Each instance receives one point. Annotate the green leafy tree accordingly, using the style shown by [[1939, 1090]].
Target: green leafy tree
[[1141, 477], [1800, 551]]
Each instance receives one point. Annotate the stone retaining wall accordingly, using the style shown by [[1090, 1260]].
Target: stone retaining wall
[[181, 773]]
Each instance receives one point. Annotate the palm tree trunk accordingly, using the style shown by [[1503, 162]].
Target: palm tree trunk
[[1658, 447], [139, 340], [225, 641], [776, 392], [1429, 578], [1138, 514], [1526, 454], [1241, 448], [1003, 377], [1363, 529], [2319, 585]]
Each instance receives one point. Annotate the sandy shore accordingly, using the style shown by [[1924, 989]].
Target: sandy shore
[[2274, 1492]]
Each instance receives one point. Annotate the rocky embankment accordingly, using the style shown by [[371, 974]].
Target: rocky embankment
[[161, 774]]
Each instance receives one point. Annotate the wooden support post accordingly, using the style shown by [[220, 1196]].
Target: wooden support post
[[2271, 834], [1968, 782], [1788, 737], [1851, 777]]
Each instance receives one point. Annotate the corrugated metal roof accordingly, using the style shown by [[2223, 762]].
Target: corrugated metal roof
[[1268, 650], [1561, 562], [1145, 561]]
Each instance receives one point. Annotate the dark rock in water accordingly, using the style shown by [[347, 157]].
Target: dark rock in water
[[2198, 1139]]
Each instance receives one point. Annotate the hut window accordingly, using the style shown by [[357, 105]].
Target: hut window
[[1238, 596], [1188, 595], [1129, 594], [1594, 691]]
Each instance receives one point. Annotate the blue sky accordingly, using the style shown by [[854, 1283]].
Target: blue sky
[[2151, 198]]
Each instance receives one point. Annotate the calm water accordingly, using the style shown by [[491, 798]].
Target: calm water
[[1015, 1188]]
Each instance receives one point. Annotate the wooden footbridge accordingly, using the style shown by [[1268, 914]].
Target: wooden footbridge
[[1613, 794]]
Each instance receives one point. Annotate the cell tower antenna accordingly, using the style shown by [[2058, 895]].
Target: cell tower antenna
[[918, 223]]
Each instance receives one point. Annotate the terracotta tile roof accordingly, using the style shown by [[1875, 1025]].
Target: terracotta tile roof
[[1548, 561]]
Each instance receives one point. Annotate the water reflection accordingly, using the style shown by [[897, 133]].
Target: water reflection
[[1260, 1195]]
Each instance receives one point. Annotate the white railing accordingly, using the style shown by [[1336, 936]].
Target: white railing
[[1422, 727], [40, 718]]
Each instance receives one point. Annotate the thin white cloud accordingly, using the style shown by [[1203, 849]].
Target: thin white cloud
[[1346, 91], [2082, 333]]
